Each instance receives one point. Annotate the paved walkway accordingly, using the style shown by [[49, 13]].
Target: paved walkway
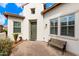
[[34, 48]]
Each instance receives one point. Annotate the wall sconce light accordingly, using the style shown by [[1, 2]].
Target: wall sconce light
[[45, 25]]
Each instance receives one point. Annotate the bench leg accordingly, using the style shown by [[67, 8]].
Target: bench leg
[[63, 52]]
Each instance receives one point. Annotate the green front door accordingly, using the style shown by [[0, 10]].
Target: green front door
[[33, 31]]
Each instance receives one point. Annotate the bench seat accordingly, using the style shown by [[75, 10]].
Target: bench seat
[[58, 43]]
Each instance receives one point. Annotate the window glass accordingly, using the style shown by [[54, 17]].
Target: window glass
[[63, 21], [64, 30], [71, 20], [70, 30]]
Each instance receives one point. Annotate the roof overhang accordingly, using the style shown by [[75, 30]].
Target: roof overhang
[[51, 8], [1, 25], [24, 5], [13, 15]]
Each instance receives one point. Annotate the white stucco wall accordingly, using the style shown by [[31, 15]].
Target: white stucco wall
[[10, 26], [37, 16], [72, 42]]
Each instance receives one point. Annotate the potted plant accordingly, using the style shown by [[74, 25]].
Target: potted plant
[[15, 37]]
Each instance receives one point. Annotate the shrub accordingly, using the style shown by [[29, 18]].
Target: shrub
[[5, 47]]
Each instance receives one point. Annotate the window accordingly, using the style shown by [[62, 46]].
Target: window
[[32, 10], [17, 27], [67, 25], [54, 26]]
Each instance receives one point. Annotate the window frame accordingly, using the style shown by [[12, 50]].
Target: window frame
[[32, 10], [16, 27], [54, 26], [68, 25]]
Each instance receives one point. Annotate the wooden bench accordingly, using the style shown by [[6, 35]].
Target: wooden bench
[[58, 43]]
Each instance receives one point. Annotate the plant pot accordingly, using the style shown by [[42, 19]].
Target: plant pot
[[20, 38], [15, 37]]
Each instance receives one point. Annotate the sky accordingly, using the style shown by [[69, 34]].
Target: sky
[[49, 5], [14, 8], [9, 7]]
